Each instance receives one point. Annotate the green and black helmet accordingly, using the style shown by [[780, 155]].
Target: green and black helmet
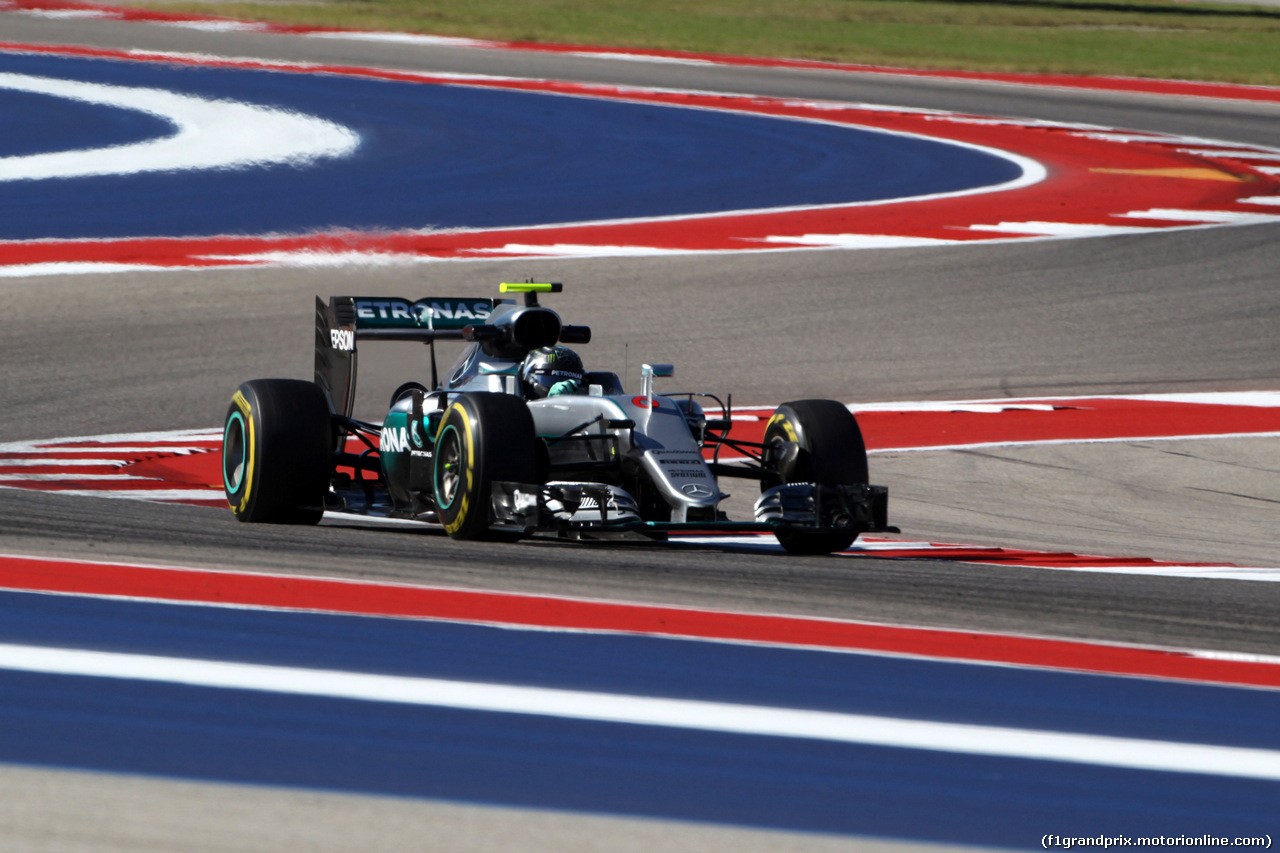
[[551, 371]]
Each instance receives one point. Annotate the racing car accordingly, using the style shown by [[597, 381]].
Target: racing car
[[518, 439]]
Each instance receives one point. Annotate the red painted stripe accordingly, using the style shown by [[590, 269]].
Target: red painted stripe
[[338, 596], [1107, 179], [106, 444], [991, 556], [1091, 419], [71, 484], [1070, 420], [195, 470]]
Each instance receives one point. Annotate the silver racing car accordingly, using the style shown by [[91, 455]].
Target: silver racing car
[[518, 439]]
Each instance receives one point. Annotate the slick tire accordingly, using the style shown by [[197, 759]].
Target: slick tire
[[276, 452], [830, 450], [482, 438]]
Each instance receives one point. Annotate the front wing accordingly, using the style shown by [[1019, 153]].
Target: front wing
[[573, 509]]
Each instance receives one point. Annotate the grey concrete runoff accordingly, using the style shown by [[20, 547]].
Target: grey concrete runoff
[[66, 811]]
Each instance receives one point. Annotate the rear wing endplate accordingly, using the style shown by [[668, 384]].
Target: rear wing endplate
[[348, 319]]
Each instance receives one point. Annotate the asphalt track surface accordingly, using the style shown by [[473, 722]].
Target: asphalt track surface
[[1187, 311]]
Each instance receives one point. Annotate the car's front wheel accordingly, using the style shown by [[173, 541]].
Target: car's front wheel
[[814, 441], [483, 438]]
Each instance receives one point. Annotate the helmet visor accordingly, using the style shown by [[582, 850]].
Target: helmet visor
[[541, 381]]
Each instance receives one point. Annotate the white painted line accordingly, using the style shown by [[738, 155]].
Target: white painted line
[[1233, 153], [1062, 229], [1128, 136], [67, 13], [1238, 657], [137, 494], [577, 250], [1222, 217], [144, 441], [1217, 573], [999, 741], [206, 134], [312, 258], [860, 241], [31, 476], [218, 26], [640, 57], [58, 451], [1261, 399], [983, 407], [863, 107], [55, 455], [48, 461], [405, 38], [984, 121], [1049, 442], [1266, 399], [81, 268]]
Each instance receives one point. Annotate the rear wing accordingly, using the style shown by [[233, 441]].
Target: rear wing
[[348, 319]]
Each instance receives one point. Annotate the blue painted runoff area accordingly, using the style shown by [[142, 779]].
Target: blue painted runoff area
[[529, 760], [38, 124], [440, 156]]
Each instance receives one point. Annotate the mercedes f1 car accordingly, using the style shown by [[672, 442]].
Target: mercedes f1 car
[[508, 445]]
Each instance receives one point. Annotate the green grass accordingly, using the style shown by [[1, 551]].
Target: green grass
[[1140, 38]]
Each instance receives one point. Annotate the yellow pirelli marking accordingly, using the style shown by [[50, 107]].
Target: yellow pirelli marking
[[471, 464], [243, 405], [782, 421]]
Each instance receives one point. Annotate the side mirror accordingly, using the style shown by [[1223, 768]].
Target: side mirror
[[647, 374]]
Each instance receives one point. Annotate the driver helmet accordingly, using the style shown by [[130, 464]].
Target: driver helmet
[[550, 372]]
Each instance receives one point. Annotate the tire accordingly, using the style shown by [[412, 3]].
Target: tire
[[830, 451], [482, 438], [276, 452]]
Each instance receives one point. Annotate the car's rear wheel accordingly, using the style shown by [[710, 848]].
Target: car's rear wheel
[[814, 441], [483, 438], [276, 452]]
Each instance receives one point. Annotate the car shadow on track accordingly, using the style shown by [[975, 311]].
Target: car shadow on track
[[709, 542]]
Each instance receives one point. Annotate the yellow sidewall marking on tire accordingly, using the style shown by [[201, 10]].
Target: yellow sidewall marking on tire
[[461, 517], [243, 405], [785, 424]]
